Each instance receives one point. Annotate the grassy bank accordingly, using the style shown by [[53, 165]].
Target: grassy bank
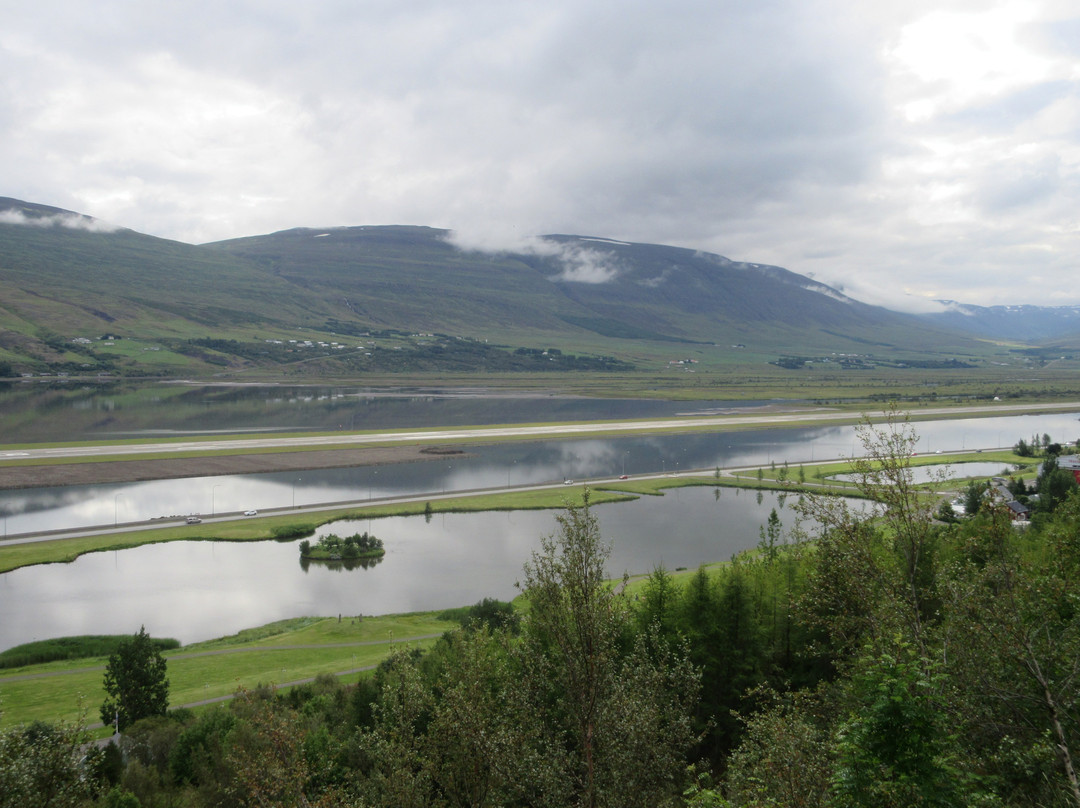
[[276, 654]]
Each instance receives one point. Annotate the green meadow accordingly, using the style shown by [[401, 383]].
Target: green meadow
[[276, 654]]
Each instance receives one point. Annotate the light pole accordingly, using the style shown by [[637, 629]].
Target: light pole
[[115, 517], [213, 491], [298, 479]]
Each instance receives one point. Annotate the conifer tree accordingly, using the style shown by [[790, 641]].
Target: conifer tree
[[135, 682]]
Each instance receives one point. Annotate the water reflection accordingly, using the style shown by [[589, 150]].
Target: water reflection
[[340, 564], [65, 411], [491, 466], [198, 590]]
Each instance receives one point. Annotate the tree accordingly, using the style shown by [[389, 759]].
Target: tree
[[892, 750], [974, 495], [43, 765], [658, 602], [784, 757], [1054, 485], [1014, 644], [135, 682], [266, 758], [886, 561], [770, 537], [620, 707]]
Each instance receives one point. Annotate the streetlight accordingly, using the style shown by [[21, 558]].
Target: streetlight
[[213, 491], [115, 517], [298, 479]]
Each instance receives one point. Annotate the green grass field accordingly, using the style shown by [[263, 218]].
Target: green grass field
[[283, 652]]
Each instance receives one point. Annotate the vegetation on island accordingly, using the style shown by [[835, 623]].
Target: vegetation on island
[[885, 659], [332, 547]]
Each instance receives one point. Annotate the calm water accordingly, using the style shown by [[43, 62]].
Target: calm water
[[43, 412], [199, 590], [496, 465]]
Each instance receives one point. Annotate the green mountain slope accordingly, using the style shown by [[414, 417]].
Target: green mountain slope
[[264, 300], [414, 278], [84, 276], [409, 278]]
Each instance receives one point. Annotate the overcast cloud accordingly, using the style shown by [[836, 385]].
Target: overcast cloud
[[901, 151]]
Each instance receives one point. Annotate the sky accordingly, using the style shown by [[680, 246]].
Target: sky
[[902, 151]]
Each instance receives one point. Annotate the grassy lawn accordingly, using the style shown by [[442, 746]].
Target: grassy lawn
[[281, 652], [818, 474]]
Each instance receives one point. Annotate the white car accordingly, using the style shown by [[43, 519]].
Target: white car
[[567, 482], [251, 513]]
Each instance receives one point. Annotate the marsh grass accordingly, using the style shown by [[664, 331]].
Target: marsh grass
[[64, 648]]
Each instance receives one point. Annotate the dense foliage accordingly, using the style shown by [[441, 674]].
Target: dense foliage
[[332, 546], [888, 660]]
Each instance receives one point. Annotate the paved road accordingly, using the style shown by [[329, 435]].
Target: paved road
[[178, 521], [739, 420]]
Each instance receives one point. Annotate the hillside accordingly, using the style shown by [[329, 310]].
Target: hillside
[[345, 301], [414, 278], [1025, 323]]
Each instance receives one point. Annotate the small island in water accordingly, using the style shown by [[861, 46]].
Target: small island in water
[[334, 548]]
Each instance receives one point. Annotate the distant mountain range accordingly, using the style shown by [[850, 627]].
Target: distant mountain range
[[67, 280], [1024, 323]]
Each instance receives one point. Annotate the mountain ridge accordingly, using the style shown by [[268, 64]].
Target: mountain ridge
[[1017, 321], [66, 276]]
